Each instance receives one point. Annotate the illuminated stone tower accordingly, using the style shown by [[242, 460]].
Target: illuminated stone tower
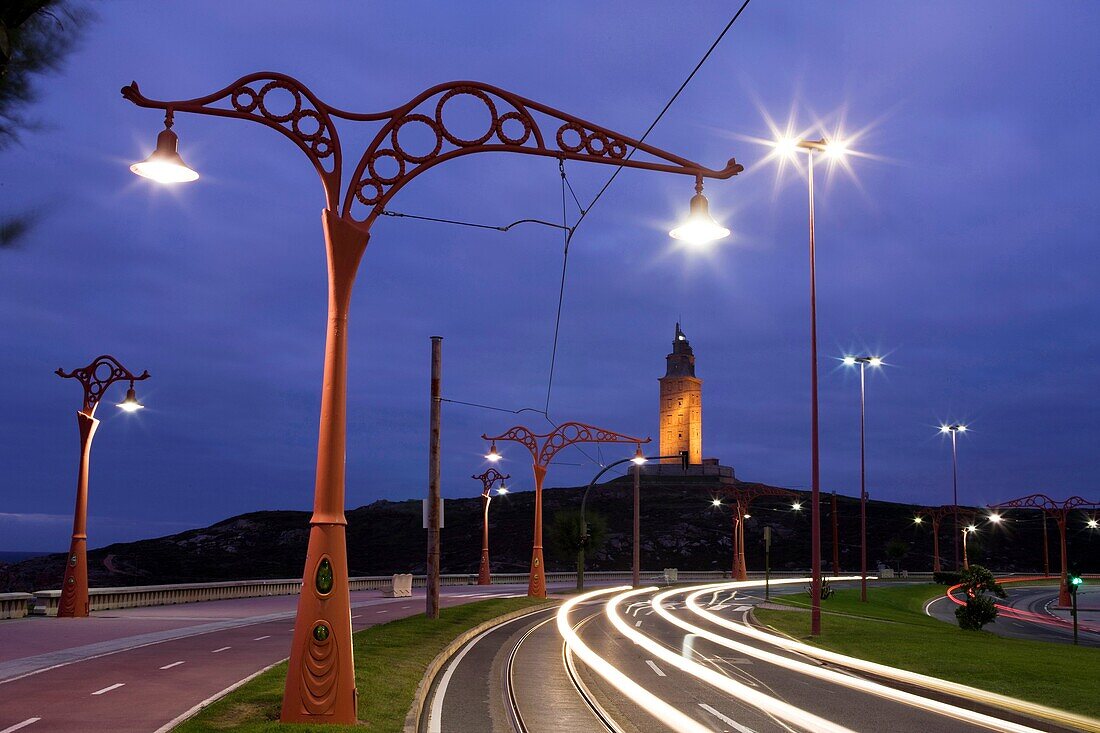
[[681, 403]]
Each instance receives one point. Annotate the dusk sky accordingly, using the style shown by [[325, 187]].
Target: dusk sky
[[961, 246]]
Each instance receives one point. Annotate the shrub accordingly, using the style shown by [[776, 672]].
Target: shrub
[[979, 609], [947, 577]]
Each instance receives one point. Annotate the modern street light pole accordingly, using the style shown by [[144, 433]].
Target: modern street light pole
[[954, 430], [487, 480], [95, 378], [543, 448], [863, 362], [320, 676], [833, 149]]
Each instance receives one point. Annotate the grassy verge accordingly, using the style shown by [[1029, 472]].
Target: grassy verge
[[390, 660], [891, 628]]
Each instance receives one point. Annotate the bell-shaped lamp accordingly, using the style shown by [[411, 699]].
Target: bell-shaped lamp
[[700, 227], [165, 164]]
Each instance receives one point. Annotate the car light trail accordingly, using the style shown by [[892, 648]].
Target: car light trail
[[767, 704], [829, 675], [645, 699], [899, 675]]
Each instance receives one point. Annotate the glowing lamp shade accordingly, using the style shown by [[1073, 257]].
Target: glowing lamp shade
[[917, 520], [875, 361], [994, 518], [849, 361], [165, 164], [492, 456], [1093, 524], [700, 227], [638, 458], [786, 146], [716, 502], [836, 148], [971, 528], [502, 489], [797, 506], [130, 404]]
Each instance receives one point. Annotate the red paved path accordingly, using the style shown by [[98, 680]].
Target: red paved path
[[71, 697]]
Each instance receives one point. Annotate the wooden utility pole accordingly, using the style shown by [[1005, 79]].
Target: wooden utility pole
[[432, 609]]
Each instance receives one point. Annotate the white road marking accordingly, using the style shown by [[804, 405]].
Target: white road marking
[[404, 607], [173, 664], [261, 638], [221, 650], [115, 686], [384, 610], [655, 668], [742, 609], [20, 726], [637, 624], [726, 719], [357, 615]]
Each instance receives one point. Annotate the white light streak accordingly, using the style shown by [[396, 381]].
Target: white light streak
[[645, 699]]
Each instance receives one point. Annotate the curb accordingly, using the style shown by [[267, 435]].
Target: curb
[[420, 697]]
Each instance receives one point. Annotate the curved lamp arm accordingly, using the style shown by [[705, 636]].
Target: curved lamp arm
[[516, 124], [104, 371]]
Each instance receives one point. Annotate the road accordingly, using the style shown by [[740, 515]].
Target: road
[[137, 670], [677, 669], [1040, 622]]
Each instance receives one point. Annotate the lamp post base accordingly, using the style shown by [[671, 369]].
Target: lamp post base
[[320, 680], [483, 576], [536, 585], [74, 586]]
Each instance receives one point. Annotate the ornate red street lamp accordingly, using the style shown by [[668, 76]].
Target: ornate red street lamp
[[1060, 511], [741, 500], [487, 479], [935, 515], [543, 448], [320, 685], [95, 378]]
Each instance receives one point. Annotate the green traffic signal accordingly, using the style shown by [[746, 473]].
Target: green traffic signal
[[1073, 580]]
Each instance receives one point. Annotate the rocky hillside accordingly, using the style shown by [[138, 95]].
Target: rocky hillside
[[680, 528]]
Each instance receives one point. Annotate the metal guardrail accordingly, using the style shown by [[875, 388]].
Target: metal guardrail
[[103, 599]]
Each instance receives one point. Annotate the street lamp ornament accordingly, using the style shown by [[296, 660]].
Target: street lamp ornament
[[487, 480], [493, 455], [543, 447], [700, 227], [320, 684], [96, 378]]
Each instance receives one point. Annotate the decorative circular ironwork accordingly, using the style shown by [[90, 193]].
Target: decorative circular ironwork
[[507, 139], [483, 98], [424, 119], [617, 149], [243, 106], [385, 153], [98, 376], [599, 137], [575, 127], [369, 200], [296, 111], [307, 114]]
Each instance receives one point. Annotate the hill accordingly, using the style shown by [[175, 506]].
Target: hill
[[680, 528]]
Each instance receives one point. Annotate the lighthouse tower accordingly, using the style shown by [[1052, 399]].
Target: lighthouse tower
[[681, 407]]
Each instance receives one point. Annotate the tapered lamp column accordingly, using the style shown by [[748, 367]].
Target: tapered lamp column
[[95, 378]]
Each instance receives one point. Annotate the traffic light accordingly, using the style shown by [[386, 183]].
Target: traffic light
[[1074, 580], [684, 458]]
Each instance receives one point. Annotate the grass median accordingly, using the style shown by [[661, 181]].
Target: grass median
[[892, 628], [390, 660]]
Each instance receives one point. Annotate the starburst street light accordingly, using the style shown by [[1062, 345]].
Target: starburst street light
[[130, 404], [953, 430], [716, 502], [502, 490], [995, 518], [1093, 524], [638, 459], [797, 506], [165, 164], [917, 520], [493, 455], [863, 362]]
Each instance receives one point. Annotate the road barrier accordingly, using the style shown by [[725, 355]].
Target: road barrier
[[104, 599], [15, 605]]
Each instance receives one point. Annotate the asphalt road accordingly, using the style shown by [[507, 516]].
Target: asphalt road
[[477, 696], [1049, 624], [137, 670]]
